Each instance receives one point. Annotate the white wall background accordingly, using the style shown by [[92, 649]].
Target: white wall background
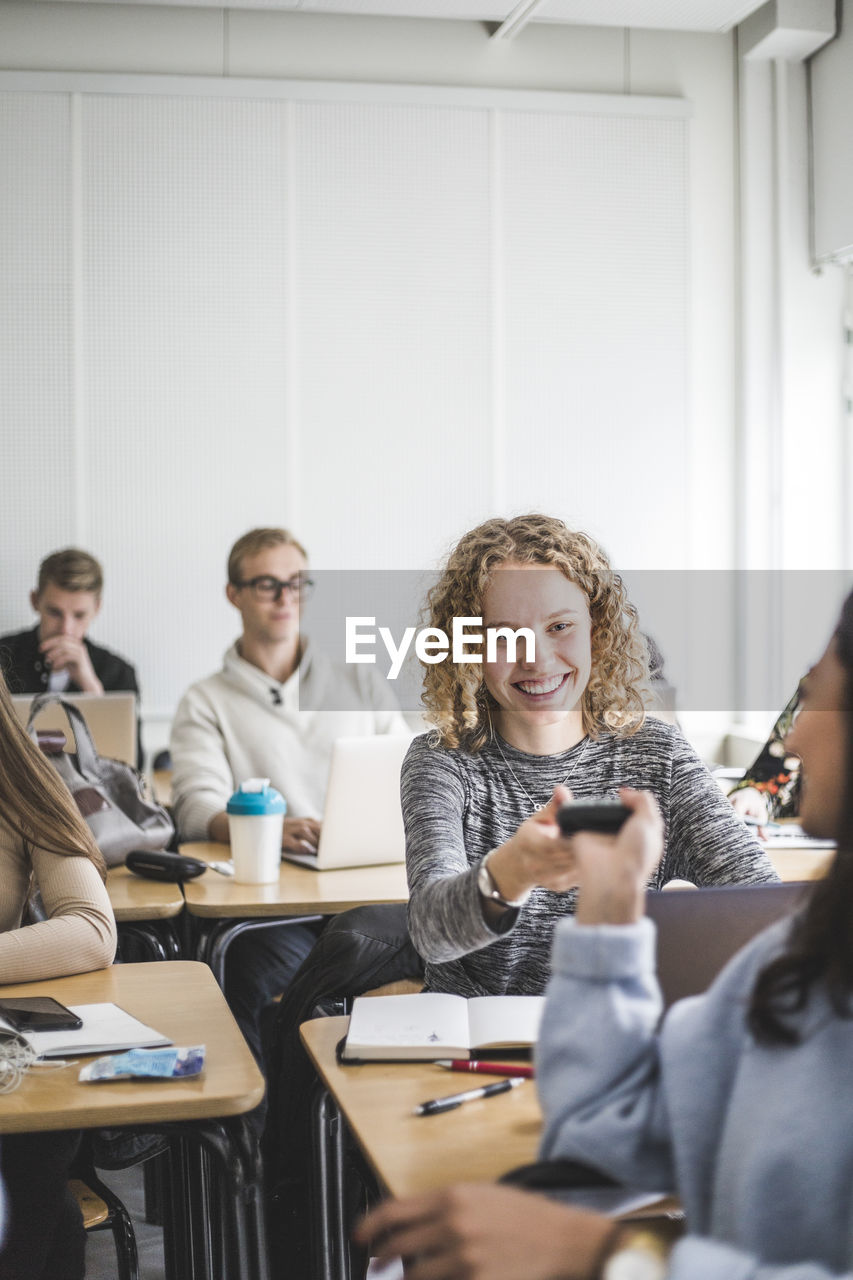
[[376, 320], [793, 457], [161, 451], [832, 104]]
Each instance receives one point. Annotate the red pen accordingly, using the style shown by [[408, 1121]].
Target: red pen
[[487, 1068]]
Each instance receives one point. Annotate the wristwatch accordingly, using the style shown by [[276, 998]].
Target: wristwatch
[[641, 1257], [489, 889]]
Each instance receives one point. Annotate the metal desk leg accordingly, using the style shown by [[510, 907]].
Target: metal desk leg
[[177, 1248], [227, 1205], [213, 941], [329, 1241], [235, 1159]]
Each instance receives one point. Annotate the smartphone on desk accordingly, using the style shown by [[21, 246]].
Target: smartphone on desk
[[38, 1013]]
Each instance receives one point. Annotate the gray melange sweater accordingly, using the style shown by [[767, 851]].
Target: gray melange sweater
[[458, 806], [756, 1139]]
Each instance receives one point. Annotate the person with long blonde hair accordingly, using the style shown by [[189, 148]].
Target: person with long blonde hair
[[44, 844], [517, 735]]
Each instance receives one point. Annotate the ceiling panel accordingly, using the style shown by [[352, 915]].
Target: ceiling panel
[[675, 15], [678, 15], [466, 10], [289, 5]]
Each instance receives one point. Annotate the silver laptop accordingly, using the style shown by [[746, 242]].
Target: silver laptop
[[362, 822], [111, 718], [699, 930]]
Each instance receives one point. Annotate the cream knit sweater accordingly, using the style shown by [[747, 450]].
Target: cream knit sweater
[[240, 723], [80, 933]]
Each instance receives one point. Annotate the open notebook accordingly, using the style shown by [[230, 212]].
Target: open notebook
[[429, 1026], [105, 1028]]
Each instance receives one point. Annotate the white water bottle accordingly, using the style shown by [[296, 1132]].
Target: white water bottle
[[255, 820]]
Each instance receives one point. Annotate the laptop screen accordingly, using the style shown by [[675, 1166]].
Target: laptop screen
[[110, 717]]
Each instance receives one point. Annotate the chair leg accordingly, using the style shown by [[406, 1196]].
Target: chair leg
[[119, 1222], [127, 1258]]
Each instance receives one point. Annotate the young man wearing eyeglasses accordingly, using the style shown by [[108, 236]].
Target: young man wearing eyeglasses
[[245, 721]]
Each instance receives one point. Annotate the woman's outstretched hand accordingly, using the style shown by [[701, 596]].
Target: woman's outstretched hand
[[483, 1232], [613, 871], [537, 855]]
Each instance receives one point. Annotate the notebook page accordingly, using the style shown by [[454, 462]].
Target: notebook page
[[504, 1020], [426, 1020], [106, 1027]]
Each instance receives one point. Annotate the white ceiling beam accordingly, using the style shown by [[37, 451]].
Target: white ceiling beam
[[515, 21], [789, 29]]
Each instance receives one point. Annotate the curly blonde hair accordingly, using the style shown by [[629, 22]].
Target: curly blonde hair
[[455, 696]]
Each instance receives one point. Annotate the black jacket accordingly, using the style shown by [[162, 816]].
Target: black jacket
[[26, 672]]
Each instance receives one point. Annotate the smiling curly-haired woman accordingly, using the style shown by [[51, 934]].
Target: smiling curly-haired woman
[[488, 870], [455, 696]]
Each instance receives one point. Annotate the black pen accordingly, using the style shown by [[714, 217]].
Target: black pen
[[435, 1105]]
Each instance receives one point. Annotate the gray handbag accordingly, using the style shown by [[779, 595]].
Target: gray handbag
[[107, 792]]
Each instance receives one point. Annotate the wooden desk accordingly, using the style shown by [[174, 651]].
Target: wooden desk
[[299, 891], [182, 1000], [227, 909], [800, 862], [143, 909], [409, 1153], [134, 898]]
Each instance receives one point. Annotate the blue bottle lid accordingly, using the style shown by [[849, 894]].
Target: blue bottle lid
[[256, 798]]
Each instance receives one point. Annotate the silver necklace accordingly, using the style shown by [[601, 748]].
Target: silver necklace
[[537, 808]]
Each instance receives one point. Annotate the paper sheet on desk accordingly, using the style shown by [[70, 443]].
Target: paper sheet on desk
[[789, 834], [616, 1202], [105, 1028], [390, 1270]]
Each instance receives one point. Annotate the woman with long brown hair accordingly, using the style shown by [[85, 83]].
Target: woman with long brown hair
[[44, 844]]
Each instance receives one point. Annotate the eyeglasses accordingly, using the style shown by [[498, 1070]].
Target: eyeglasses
[[268, 588]]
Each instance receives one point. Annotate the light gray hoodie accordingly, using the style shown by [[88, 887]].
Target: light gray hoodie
[[758, 1141]]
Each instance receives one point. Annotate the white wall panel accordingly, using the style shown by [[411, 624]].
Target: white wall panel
[[831, 71], [185, 283], [377, 319], [37, 513], [393, 299], [595, 247]]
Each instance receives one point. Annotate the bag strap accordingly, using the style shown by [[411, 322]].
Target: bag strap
[[87, 755]]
